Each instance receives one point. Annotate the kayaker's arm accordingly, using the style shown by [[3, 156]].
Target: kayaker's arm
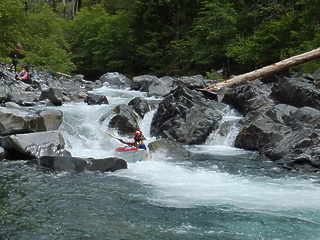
[[128, 143]]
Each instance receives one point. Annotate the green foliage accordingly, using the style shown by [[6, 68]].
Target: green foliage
[[83, 35], [39, 32], [10, 18], [161, 37], [114, 45], [215, 26]]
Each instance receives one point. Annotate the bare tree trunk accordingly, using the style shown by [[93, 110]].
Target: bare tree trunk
[[274, 68]]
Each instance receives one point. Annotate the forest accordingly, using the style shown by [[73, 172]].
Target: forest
[[217, 38]]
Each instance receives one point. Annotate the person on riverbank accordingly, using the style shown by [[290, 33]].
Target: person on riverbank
[[22, 75], [15, 62], [138, 141]]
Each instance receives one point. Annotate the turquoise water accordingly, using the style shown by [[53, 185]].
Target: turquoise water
[[219, 192]]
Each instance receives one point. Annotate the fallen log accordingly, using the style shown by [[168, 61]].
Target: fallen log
[[274, 68]]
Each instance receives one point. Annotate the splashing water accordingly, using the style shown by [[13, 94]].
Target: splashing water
[[219, 192]]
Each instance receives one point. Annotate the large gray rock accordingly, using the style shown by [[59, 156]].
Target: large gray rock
[[18, 120], [140, 106], [297, 92], [115, 79], [143, 82], [78, 164], [169, 148], [192, 82], [282, 126], [109, 164], [125, 120], [34, 145], [54, 95], [248, 97], [186, 116], [161, 87], [93, 99]]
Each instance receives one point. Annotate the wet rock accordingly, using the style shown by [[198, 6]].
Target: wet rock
[[64, 163], [126, 120], [18, 120], [297, 92], [160, 87], [2, 154], [54, 95], [280, 126], [115, 79], [186, 116], [169, 148], [248, 97], [34, 145], [78, 164], [142, 83], [93, 99], [191, 82], [109, 164], [140, 106]]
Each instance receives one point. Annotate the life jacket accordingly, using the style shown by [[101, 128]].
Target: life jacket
[[23, 74]]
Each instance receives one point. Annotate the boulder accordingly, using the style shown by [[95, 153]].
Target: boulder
[[19, 120], [34, 145], [54, 95], [93, 99], [168, 147], [115, 79], [126, 120], [186, 116], [78, 164], [142, 83], [2, 154], [64, 163], [140, 106], [109, 164], [160, 87], [191, 82], [22, 98], [282, 124], [248, 97], [297, 92]]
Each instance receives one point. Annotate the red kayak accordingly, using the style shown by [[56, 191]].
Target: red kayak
[[131, 154], [126, 149]]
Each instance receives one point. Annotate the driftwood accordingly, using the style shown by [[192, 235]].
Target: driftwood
[[274, 68]]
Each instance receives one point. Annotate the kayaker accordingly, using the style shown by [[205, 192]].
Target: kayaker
[[138, 141]]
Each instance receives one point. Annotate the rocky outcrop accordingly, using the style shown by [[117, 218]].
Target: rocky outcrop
[[115, 79], [282, 121], [186, 116], [19, 120], [34, 145], [125, 120], [140, 106]]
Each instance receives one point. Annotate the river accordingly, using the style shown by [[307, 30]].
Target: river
[[219, 192]]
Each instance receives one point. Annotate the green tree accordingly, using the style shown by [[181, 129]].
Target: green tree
[[157, 25], [83, 38], [214, 27], [10, 18], [44, 39]]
